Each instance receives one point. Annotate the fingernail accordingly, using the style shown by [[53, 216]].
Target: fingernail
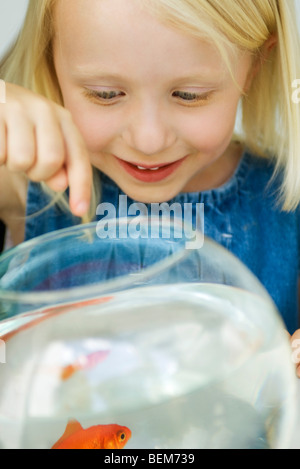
[[81, 208]]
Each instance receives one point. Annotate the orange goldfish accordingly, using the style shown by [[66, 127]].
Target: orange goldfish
[[83, 363], [97, 437]]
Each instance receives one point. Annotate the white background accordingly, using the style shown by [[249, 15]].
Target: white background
[[12, 13]]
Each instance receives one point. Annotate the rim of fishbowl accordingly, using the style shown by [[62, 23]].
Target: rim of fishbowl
[[86, 292]]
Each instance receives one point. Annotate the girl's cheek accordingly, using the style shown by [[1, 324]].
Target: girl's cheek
[[96, 127], [97, 132], [208, 133]]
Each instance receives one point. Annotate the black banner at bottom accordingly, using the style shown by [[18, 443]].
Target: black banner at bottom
[[137, 458]]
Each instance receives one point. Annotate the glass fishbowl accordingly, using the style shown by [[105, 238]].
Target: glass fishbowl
[[138, 337]]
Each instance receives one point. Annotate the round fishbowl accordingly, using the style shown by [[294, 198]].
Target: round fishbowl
[[139, 336]]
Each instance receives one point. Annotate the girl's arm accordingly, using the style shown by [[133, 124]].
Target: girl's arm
[[39, 141], [295, 340], [295, 344], [13, 194]]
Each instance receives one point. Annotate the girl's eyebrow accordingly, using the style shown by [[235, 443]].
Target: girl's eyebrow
[[84, 73], [208, 80], [203, 80]]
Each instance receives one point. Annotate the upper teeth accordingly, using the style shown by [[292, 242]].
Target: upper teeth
[[152, 169]]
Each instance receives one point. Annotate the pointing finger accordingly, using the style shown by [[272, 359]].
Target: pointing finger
[[79, 170], [2, 143]]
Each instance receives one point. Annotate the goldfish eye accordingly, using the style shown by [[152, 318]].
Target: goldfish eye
[[122, 436]]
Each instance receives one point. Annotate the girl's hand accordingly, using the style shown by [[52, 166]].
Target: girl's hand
[[295, 344], [39, 138]]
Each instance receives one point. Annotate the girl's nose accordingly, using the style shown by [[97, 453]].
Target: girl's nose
[[149, 131]]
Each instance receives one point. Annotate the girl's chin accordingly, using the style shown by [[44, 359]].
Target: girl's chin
[[150, 196]]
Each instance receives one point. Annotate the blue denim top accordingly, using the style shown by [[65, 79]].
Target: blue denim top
[[242, 215]]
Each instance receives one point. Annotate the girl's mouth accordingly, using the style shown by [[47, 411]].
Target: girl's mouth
[[150, 173]]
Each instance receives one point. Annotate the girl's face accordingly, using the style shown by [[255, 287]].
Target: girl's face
[[147, 96]]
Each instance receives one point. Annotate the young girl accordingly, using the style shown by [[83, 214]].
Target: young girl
[[146, 92]]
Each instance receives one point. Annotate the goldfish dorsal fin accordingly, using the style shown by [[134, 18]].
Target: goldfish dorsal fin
[[72, 427]]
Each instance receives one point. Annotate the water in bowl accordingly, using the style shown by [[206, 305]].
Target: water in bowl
[[183, 366]]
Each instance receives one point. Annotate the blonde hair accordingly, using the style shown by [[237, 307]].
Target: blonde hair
[[270, 119]]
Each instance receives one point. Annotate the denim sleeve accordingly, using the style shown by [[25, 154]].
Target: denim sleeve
[[298, 237]]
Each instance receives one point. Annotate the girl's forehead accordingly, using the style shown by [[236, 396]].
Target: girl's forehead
[[216, 21], [122, 34], [123, 38], [114, 13], [114, 22]]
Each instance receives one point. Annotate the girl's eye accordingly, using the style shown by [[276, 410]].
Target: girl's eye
[[107, 97], [190, 98]]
